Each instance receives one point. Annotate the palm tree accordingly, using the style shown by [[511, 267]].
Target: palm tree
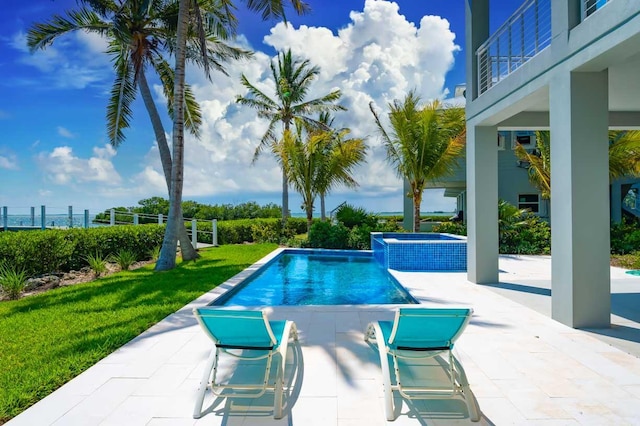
[[139, 33], [424, 143], [347, 153], [293, 79], [222, 12], [313, 161], [624, 158]]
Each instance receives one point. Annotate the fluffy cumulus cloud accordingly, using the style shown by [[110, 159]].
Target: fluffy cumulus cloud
[[377, 57], [63, 167]]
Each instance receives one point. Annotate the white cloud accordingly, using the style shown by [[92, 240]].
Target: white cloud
[[378, 57], [74, 60], [65, 133], [9, 162], [62, 167]]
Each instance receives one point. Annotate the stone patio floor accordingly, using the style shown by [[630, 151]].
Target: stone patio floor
[[524, 368]]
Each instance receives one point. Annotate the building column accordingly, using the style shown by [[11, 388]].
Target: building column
[[407, 206], [616, 201], [482, 204], [477, 24], [581, 285]]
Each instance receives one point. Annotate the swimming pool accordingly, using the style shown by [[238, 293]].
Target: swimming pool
[[318, 277]]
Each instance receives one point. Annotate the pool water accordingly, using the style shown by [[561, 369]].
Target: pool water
[[318, 279]]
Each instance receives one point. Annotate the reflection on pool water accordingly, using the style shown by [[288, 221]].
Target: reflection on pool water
[[310, 277]]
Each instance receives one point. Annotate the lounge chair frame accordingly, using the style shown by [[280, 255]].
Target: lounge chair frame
[[249, 352], [403, 349]]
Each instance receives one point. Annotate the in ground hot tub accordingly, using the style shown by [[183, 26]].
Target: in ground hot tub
[[420, 251]]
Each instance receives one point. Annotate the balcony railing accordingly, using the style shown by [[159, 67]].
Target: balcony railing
[[588, 7], [525, 34]]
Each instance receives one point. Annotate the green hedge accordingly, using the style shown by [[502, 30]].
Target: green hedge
[[40, 252], [54, 250], [251, 230]]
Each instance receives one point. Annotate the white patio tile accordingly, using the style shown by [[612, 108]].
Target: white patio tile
[[100, 404], [524, 368]]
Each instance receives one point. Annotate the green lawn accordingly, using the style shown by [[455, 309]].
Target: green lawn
[[47, 339]]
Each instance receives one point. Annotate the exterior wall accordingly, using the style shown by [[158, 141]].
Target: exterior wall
[[513, 179]]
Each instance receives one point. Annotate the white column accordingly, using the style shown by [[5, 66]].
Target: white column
[[407, 206], [477, 32], [482, 204], [581, 288], [214, 232], [112, 217], [194, 233], [616, 202]]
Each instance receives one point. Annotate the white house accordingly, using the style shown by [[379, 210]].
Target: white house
[[571, 66]]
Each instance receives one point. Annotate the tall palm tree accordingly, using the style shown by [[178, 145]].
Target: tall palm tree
[[424, 143], [313, 161], [221, 10], [624, 158], [346, 154], [140, 33], [293, 78]]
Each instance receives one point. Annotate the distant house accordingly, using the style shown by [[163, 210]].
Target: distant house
[[515, 188]]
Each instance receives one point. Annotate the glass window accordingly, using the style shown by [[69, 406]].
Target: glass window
[[501, 140], [530, 202], [526, 139]]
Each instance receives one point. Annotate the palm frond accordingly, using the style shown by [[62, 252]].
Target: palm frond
[[274, 9], [193, 115], [41, 35], [119, 108]]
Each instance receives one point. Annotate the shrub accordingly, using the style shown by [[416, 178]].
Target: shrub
[[41, 252], [325, 235], [451, 228], [625, 237], [154, 253], [36, 252], [12, 280], [246, 230], [97, 263], [351, 216], [124, 259]]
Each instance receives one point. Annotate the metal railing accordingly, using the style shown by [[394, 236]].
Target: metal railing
[[525, 34], [19, 218], [588, 7]]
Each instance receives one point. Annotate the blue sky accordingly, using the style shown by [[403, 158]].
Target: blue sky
[[53, 145]]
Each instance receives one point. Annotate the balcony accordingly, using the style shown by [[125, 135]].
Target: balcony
[[525, 34]]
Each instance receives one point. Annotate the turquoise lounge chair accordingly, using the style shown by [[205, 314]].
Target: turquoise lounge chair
[[415, 335], [247, 335]]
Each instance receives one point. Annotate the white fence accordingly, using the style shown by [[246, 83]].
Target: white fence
[[18, 218]]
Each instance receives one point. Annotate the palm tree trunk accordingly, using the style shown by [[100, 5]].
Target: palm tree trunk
[[167, 258], [417, 200], [323, 214], [285, 197], [188, 251]]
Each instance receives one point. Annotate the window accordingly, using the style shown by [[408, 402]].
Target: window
[[530, 202], [502, 137], [526, 139]]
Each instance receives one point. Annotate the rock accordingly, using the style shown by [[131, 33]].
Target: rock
[[34, 283]]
